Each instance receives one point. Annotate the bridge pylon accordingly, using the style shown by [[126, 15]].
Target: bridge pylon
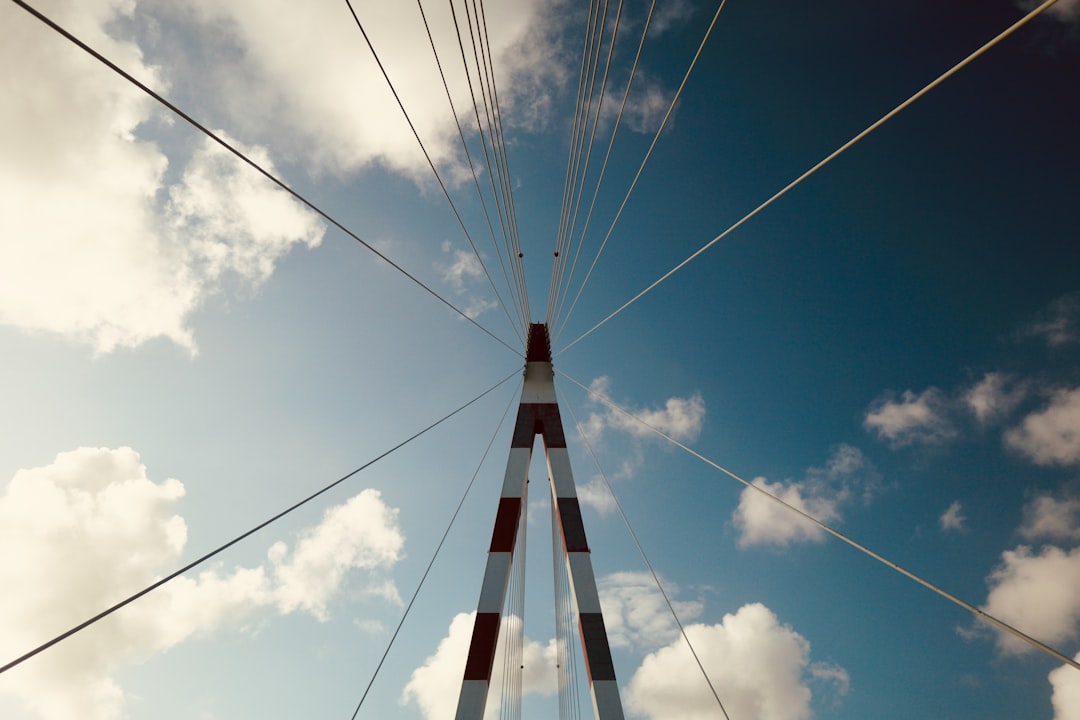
[[538, 414]]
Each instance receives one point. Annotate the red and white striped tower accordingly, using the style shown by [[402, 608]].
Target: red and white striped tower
[[538, 414]]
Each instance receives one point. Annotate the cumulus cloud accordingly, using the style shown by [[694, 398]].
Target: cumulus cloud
[[462, 270], [435, 685], [314, 90], [759, 667], [1066, 696], [92, 527], [953, 519], [993, 397], [98, 247], [913, 418], [107, 250], [359, 534], [461, 267], [681, 418], [596, 495], [1050, 436], [232, 219], [1038, 593], [762, 521], [847, 477], [635, 614], [1050, 518]]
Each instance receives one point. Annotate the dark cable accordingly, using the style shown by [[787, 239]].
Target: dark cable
[[648, 564], [504, 220], [468, 156], [195, 563], [434, 556], [977, 612], [485, 79], [603, 168], [280, 183], [431, 163]]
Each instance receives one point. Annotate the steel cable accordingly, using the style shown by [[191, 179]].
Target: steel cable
[[431, 164], [200, 560], [829, 158], [251, 163], [980, 614], [431, 563]]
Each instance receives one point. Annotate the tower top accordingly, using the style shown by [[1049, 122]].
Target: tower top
[[539, 349]]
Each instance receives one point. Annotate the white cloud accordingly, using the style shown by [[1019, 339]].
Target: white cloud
[[91, 252], [991, 398], [645, 106], [758, 667], [92, 528], [359, 534], [912, 419], [681, 418], [234, 220], [1066, 696], [312, 87], [596, 495], [762, 521], [462, 267], [435, 685], [669, 15], [846, 478], [832, 675], [953, 519], [1050, 436], [461, 272], [595, 492], [1048, 518], [1038, 594], [635, 614]]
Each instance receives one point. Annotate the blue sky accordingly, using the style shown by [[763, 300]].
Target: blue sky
[[892, 346]]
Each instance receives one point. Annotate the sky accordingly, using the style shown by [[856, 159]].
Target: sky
[[892, 347]]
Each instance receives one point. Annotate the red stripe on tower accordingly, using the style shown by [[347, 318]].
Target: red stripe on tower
[[597, 651], [506, 525], [482, 647]]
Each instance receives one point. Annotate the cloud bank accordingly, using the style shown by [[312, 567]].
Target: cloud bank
[[100, 246], [760, 667], [117, 232], [312, 88], [92, 528]]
